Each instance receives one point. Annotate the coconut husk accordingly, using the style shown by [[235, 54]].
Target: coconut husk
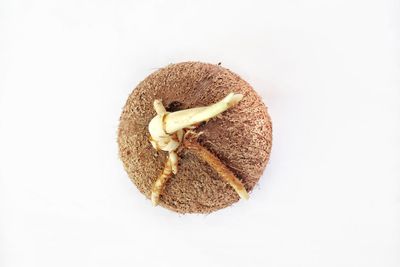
[[241, 137]]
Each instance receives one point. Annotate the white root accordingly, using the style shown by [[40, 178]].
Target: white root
[[185, 118], [164, 123]]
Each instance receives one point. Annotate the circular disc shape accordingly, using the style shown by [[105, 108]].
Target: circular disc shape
[[241, 137]]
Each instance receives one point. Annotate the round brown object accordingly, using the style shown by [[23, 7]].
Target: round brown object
[[241, 137]]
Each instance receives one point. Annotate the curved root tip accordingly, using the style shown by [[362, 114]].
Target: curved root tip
[[234, 99], [154, 199], [243, 194]]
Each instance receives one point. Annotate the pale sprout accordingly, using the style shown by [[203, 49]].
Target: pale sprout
[[167, 131]]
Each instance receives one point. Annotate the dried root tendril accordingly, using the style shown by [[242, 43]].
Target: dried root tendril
[[226, 174], [160, 182]]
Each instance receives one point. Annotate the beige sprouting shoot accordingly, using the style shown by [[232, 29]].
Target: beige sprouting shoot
[[170, 130]]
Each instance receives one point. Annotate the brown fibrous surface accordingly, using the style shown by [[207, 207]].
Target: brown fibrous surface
[[240, 138]]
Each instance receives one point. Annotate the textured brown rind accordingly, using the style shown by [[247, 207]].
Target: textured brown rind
[[240, 137]]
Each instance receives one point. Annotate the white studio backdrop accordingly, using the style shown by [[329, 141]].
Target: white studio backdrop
[[328, 71]]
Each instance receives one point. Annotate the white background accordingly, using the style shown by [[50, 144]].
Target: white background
[[328, 70]]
